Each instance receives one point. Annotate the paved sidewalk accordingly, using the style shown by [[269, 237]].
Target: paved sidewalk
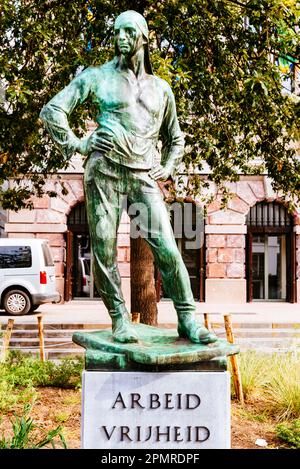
[[94, 312]]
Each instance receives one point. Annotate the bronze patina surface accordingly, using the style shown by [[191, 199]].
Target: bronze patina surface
[[157, 349], [135, 111]]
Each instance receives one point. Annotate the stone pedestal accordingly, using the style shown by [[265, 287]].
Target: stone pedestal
[[156, 410], [163, 392]]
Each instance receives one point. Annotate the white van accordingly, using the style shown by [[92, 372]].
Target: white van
[[27, 275], [84, 268]]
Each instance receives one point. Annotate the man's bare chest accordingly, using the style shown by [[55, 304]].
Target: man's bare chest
[[119, 93]]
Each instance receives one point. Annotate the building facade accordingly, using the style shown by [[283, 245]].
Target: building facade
[[251, 250]]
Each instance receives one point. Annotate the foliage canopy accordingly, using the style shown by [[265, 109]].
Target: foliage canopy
[[218, 55]]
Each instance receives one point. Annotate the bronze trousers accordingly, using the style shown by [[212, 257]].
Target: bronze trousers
[[109, 188]]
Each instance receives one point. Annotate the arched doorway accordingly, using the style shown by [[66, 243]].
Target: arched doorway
[[271, 263], [188, 227], [79, 260]]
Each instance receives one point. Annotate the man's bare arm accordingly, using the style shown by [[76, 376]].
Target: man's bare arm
[[172, 140], [55, 116]]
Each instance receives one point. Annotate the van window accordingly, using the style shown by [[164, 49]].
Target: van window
[[15, 257], [47, 255]]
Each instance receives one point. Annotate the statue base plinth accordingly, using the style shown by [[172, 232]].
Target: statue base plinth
[[158, 349], [162, 392], [164, 410]]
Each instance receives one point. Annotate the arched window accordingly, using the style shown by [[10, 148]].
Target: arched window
[[269, 215], [79, 281], [188, 225], [270, 253], [77, 219]]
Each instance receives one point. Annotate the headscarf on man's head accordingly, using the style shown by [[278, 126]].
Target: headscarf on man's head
[[141, 23]]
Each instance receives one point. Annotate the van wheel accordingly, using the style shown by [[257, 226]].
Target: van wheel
[[16, 302]]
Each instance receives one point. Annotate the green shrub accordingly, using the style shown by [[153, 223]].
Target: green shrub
[[9, 396], [21, 370], [20, 374], [283, 389], [62, 417], [68, 373], [25, 434], [275, 379], [290, 433]]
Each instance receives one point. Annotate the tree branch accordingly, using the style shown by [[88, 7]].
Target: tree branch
[[236, 2]]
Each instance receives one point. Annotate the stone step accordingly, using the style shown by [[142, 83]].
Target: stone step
[[64, 353], [268, 346], [283, 348], [238, 333], [239, 337], [215, 324], [52, 333], [66, 342], [220, 332], [58, 335], [269, 337], [33, 326], [260, 325], [241, 340], [48, 343]]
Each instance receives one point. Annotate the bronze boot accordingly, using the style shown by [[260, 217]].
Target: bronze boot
[[122, 328], [197, 333]]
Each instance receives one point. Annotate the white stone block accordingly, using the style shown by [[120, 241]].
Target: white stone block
[[35, 228], [226, 290], [225, 229], [166, 410]]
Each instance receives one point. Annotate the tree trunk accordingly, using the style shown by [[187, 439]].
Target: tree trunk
[[143, 293]]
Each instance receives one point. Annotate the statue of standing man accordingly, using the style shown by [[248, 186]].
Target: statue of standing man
[[135, 110]]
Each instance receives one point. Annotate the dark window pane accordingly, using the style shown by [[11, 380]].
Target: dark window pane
[[78, 215], [14, 257], [258, 266], [268, 214], [185, 232], [269, 261]]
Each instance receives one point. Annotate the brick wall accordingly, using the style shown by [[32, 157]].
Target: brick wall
[[225, 256], [226, 230]]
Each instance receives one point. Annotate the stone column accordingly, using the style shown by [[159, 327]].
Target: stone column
[[225, 282], [225, 242]]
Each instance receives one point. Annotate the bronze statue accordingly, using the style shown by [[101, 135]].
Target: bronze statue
[[135, 110]]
